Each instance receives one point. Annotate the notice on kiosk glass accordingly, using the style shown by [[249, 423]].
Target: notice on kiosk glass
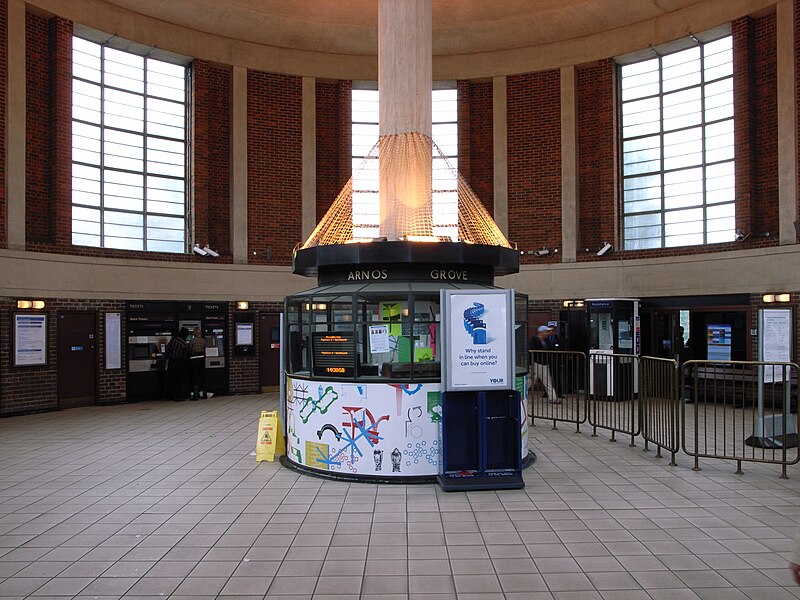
[[478, 341]]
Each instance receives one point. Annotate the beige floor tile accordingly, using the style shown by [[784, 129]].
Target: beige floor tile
[[203, 520]]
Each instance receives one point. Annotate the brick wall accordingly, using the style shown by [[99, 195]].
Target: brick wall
[[35, 389], [334, 141], [475, 138], [39, 214], [534, 160], [274, 166], [49, 137], [596, 162], [211, 100], [3, 79], [764, 112], [743, 97], [244, 371]]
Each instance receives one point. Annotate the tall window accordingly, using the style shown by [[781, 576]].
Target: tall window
[[128, 150], [365, 170], [677, 147]]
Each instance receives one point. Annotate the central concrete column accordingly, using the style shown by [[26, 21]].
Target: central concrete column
[[405, 56]]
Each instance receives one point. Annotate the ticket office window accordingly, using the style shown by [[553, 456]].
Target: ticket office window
[[378, 337], [399, 338]]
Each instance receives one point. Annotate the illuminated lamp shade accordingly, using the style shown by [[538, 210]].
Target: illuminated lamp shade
[[38, 304], [242, 305]]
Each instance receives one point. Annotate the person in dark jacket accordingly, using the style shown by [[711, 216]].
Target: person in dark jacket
[[197, 366], [177, 355], [540, 369]]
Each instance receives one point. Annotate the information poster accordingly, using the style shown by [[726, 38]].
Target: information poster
[[379, 339], [244, 334], [479, 327], [113, 341], [30, 340], [775, 342], [718, 342]]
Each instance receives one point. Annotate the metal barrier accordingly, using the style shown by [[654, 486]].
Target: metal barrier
[[659, 404], [557, 386], [740, 410], [613, 394], [731, 410]]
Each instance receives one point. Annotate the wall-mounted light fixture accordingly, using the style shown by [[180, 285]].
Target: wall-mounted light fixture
[[770, 298], [573, 303], [242, 305], [30, 304]]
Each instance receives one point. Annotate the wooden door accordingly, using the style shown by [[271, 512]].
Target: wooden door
[[77, 359], [269, 331]]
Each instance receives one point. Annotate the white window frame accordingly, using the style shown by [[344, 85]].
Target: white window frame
[[152, 155], [364, 117], [678, 182]]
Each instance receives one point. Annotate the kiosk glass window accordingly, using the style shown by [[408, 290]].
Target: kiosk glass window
[[129, 148], [521, 332]]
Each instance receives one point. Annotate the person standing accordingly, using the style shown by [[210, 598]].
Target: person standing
[[177, 353], [197, 366], [541, 370]]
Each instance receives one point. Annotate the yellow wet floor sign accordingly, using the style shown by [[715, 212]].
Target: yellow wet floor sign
[[270, 436]]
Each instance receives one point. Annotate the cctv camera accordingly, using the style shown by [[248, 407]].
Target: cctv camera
[[198, 250], [740, 235], [605, 249], [210, 252], [542, 252]]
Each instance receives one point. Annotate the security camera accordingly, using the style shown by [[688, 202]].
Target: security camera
[[542, 252], [198, 250], [210, 252], [605, 249], [740, 235]]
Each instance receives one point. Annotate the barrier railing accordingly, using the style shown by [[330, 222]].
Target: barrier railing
[[613, 394], [730, 410], [660, 404], [557, 387], [740, 410]]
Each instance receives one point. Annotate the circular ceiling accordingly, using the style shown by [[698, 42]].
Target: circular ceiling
[[350, 26]]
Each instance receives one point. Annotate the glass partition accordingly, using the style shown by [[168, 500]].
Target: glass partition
[[364, 336]]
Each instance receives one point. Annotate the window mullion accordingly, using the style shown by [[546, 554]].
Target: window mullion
[[662, 151]]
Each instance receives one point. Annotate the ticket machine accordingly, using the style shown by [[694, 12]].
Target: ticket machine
[[215, 329], [148, 329], [614, 336]]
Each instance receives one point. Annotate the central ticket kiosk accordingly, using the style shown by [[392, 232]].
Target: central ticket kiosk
[[365, 356]]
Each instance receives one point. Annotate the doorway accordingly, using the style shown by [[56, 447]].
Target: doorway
[[77, 359], [269, 361]]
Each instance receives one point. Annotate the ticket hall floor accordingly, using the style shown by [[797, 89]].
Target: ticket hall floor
[[166, 500]]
